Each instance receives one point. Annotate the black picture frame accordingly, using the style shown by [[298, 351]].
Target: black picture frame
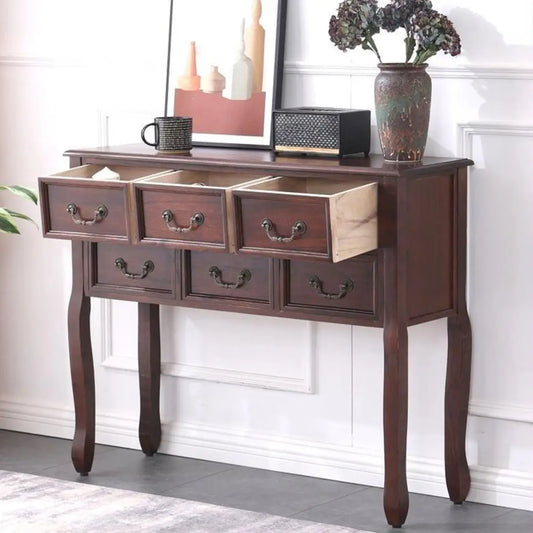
[[241, 116]]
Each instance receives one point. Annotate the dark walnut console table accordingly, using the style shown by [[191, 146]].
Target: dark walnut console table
[[355, 241]]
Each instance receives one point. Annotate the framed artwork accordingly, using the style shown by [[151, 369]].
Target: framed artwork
[[225, 68]]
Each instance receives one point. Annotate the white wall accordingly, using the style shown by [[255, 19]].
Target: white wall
[[76, 74]]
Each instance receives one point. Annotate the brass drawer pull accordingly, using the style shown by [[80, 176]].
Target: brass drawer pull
[[344, 288], [216, 274], [99, 214], [121, 265], [297, 230], [195, 221]]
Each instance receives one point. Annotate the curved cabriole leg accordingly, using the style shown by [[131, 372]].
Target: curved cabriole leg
[[456, 406], [459, 363], [81, 366], [149, 377], [396, 496]]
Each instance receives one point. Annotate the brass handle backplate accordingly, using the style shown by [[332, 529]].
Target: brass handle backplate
[[99, 214], [194, 222], [297, 230], [121, 265], [344, 288], [244, 276]]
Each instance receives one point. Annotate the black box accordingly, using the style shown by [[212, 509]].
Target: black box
[[321, 130]]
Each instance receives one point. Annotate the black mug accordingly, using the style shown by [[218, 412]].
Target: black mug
[[172, 134]]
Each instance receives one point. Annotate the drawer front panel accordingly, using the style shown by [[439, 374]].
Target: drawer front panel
[[227, 276], [183, 211], [84, 202], [349, 285], [284, 215], [116, 267]]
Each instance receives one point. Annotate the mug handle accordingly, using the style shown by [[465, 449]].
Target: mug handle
[[156, 131]]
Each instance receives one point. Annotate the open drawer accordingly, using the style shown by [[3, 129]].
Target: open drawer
[[187, 208], [306, 217], [74, 205]]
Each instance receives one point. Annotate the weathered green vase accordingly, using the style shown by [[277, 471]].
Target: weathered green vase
[[403, 101]]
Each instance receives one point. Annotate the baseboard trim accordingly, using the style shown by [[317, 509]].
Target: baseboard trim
[[344, 463]]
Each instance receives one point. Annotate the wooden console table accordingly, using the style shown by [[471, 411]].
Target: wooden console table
[[355, 241]]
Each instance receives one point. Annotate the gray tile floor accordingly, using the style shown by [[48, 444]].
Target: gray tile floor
[[327, 502]]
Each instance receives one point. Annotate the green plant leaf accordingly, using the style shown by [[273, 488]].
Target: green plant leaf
[[7, 224], [410, 44], [21, 191], [15, 214]]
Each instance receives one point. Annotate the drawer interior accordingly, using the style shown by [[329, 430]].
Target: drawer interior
[[305, 186], [194, 178], [126, 173]]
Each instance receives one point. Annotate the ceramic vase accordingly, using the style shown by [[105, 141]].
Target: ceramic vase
[[403, 101], [189, 80], [213, 81]]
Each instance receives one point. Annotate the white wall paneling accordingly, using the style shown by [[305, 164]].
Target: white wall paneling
[[293, 395], [281, 363]]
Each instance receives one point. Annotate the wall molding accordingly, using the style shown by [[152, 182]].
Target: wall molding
[[345, 463], [468, 130], [507, 412], [67, 63], [498, 72], [465, 148], [460, 72], [304, 383]]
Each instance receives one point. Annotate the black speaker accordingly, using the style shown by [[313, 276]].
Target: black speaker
[[321, 130]]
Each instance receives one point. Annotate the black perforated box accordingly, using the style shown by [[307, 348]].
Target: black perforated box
[[321, 130]]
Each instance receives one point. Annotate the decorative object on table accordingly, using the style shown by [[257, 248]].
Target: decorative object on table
[[8, 222], [249, 57], [106, 174], [322, 131], [402, 90], [171, 134]]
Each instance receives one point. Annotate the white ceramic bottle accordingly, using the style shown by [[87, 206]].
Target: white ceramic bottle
[[239, 75]]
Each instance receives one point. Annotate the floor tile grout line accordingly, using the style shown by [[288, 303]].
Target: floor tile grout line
[[328, 501], [164, 493]]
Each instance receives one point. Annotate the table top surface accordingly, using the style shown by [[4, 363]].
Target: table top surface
[[266, 159]]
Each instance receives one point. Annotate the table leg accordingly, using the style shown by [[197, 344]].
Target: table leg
[[396, 496], [456, 406], [81, 366], [149, 377], [459, 363], [393, 236]]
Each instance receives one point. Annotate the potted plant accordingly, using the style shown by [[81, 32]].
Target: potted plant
[[402, 90], [8, 222]]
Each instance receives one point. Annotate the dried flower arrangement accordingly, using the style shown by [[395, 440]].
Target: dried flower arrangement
[[428, 31]]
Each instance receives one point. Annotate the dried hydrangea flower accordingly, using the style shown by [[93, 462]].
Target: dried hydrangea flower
[[433, 32], [396, 14], [355, 24]]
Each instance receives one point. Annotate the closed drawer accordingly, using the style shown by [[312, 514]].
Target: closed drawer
[[74, 205], [116, 270], [188, 209], [227, 276], [349, 287], [306, 217]]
